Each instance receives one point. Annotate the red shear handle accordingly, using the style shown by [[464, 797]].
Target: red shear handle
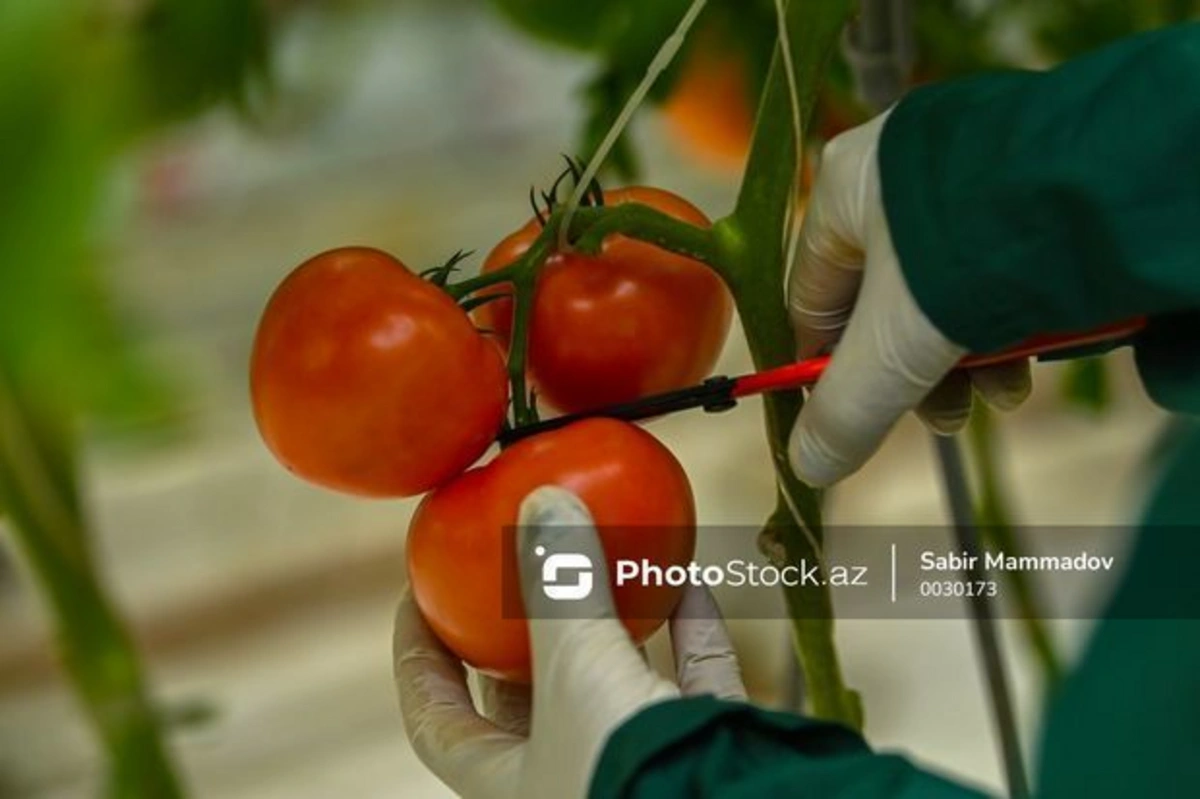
[[807, 372]]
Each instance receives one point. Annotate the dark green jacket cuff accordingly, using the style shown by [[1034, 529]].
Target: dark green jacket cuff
[[704, 747], [1029, 202]]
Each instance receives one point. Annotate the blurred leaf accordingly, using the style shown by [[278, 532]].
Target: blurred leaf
[[1067, 28], [603, 99], [1085, 385], [580, 24], [193, 53], [62, 118], [634, 32], [954, 38], [73, 95]]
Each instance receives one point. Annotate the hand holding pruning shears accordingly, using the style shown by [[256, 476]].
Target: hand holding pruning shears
[[847, 287]]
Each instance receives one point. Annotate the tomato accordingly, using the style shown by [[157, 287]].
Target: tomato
[[630, 321], [710, 110], [367, 379], [461, 543]]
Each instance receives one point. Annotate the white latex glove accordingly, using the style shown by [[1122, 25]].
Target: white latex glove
[[846, 286], [588, 677]]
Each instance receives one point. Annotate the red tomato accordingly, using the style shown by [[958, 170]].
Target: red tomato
[[461, 544], [367, 379], [630, 321]]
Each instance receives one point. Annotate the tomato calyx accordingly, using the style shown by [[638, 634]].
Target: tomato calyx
[[593, 196], [440, 275]]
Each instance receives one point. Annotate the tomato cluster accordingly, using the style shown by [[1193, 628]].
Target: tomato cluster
[[373, 380]]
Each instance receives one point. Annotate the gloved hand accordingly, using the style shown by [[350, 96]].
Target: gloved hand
[[588, 677], [846, 286]]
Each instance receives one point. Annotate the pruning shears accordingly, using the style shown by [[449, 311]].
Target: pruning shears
[[722, 393]]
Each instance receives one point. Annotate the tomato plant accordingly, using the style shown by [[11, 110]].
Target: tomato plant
[[629, 321], [461, 540], [367, 379]]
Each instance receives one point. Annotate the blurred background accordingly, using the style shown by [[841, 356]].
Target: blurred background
[[167, 163]]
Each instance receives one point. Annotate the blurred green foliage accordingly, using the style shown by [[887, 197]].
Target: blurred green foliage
[[194, 54], [953, 38], [625, 35], [80, 82]]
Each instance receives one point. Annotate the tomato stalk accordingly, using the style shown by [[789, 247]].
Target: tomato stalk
[[1000, 534], [590, 226], [38, 488], [521, 274], [464, 288], [754, 239], [747, 248]]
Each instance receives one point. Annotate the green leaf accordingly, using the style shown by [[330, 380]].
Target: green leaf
[[191, 54], [603, 99], [61, 120], [580, 24], [1085, 385], [74, 92]]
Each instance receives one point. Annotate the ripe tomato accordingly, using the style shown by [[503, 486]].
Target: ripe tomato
[[710, 110], [630, 321], [461, 542], [367, 379]]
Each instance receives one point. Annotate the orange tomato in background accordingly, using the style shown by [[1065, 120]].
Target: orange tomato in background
[[710, 110], [461, 542], [367, 379], [629, 321]]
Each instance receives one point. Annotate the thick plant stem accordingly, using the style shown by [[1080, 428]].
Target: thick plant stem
[[753, 242], [747, 248], [794, 534], [646, 224], [1000, 534], [38, 488]]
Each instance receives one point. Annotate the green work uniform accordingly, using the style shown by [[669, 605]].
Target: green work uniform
[[1022, 203]]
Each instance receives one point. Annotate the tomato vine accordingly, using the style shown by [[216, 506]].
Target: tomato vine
[[747, 249]]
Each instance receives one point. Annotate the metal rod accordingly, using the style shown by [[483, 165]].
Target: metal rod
[[958, 500]]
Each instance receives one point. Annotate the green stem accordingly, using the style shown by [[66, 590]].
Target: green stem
[[1000, 534], [747, 249], [483, 280], [593, 225], [521, 274], [524, 411], [38, 489], [752, 240]]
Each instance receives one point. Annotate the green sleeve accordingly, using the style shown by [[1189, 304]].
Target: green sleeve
[[1123, 724], [1028, 202], [708, 748]]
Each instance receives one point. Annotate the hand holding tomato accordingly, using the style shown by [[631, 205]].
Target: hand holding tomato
[[629, 321], [367, 379], [461, 537], [544, 741]]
